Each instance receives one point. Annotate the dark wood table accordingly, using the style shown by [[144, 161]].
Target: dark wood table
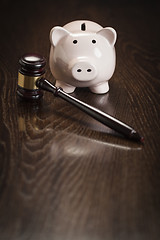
[[63, 175]]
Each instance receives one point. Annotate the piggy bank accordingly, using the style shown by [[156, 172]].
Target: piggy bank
[[82, 55]]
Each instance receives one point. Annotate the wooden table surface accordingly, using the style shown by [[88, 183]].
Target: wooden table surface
[[63, 175]]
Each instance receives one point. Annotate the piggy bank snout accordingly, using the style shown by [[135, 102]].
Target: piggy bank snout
[[84, 71]]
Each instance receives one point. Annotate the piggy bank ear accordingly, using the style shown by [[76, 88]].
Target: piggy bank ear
[[56, 34], [110, 34]]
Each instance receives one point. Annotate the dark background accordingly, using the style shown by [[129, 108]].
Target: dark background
[[63, 175]]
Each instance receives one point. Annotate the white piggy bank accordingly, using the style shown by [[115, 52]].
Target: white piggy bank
[[82, 55]]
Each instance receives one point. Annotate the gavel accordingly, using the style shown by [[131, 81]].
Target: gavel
[[31, 83]]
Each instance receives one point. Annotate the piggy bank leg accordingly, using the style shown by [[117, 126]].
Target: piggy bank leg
[[100, 88], [66, 87]]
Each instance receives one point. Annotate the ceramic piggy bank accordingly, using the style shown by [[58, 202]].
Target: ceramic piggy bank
[[82, 55]]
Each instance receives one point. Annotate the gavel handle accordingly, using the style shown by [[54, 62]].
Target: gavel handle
[[97, 114]]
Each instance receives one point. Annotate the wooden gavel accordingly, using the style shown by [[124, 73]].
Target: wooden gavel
[[31, 82]]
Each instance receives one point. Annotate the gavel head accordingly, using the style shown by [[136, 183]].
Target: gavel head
[[32, 67]]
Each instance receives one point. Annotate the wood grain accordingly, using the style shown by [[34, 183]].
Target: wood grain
[[63, 175]]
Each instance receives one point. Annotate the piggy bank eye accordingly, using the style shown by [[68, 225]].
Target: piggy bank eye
[[93, 41], [75, 41]]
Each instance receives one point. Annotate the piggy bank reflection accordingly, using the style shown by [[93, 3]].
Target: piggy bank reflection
[[82, 55]]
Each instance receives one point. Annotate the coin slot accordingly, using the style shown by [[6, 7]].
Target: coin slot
[[83, 26]]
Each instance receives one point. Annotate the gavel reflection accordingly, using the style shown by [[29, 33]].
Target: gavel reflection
[[31, 82]]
